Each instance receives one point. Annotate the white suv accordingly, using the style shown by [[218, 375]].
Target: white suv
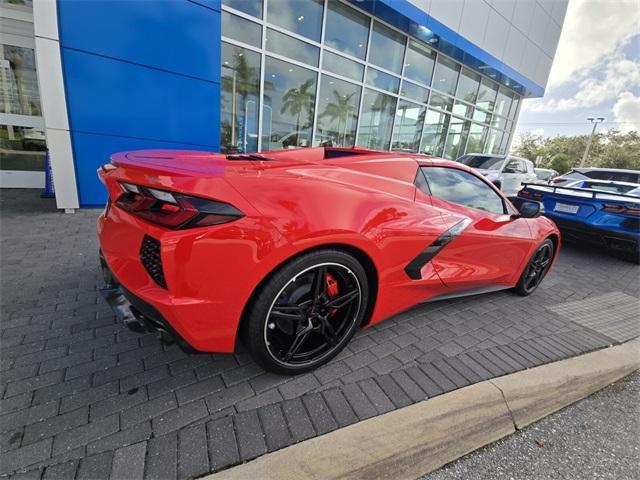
[[507, 172]]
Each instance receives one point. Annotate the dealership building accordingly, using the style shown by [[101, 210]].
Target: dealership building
[[84, 79]]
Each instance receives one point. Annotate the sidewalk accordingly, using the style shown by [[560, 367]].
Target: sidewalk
[[409, 442]]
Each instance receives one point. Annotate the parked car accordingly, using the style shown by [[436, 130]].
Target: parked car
[[613, 174], [506, 172], [294, 250], [545, 175], [606, 214]]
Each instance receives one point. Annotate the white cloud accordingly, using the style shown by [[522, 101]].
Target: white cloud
[[593, 29], [619, 75], [626, 112]]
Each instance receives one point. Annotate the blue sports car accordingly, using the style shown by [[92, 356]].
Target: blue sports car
[[602, 213]]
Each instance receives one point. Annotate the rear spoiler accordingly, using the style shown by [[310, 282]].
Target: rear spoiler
[[591, 193]]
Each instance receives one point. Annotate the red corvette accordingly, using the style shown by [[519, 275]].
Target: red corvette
[[294, 250]]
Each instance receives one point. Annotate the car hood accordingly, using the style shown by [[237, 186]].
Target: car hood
[[484, 171]]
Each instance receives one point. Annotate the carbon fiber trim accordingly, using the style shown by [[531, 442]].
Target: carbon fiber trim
[[414, 266]]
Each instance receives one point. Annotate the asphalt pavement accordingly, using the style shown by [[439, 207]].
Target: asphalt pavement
[[596, 438]]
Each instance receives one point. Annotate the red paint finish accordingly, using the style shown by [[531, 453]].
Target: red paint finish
[[298, 200]]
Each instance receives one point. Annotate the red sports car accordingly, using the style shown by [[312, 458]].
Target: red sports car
[[294, 250]]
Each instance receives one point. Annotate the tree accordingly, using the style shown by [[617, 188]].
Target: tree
[[561, 163], [622, 151], [297, 100], [611, 149], [530, 146]]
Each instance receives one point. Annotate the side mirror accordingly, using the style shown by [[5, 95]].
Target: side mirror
[[528, 208]]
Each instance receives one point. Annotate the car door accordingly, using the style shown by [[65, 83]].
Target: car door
[[488, 244]]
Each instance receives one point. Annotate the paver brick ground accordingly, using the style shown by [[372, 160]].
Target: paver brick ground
[[81, 395]]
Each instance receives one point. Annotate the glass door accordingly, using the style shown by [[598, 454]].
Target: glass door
[[22, 135]]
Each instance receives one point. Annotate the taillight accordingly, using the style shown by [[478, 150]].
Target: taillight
[[530, 195], [174, 210], [623, 209], [104, 169]]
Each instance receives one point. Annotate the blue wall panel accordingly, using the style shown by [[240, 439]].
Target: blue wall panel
[[91, 151], [139, 74], [172, 35], [119, 98]]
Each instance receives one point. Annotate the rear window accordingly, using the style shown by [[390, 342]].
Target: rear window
[[482, 162], [607, 187], [615, 176]]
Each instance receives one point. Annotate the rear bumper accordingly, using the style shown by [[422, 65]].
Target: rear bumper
[[138, 315], [209, 274], [585, 233]]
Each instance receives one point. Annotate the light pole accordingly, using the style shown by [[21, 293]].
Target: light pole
[[595, 122]]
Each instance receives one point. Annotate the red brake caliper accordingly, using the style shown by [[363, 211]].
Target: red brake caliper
[[332, 288]]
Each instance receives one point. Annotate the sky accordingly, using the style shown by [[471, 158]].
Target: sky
[[595, 73]]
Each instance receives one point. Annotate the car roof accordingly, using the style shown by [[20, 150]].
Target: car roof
[[495, 155]]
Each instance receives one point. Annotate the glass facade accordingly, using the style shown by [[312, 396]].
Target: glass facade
[[22, 135], [326, 73]]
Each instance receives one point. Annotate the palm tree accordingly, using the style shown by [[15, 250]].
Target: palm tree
[[300, 99], [341, 110]]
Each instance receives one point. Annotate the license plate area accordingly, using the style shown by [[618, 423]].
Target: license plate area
[[566, 208]]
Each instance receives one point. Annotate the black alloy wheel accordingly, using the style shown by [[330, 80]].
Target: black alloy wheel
[[536, 269], [315, 305]]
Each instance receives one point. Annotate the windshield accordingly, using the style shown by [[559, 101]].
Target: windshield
[[483, 162]]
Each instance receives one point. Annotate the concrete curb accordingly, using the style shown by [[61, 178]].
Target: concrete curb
[[418, 439]]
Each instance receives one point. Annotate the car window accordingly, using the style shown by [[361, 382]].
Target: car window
[[514, 166], [522, 167], [528, 166], [482, 162], [463, 188]]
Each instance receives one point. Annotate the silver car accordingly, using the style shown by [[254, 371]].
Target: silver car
[[507, 172]]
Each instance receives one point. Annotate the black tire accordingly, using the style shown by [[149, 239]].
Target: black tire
[[294, 311], [536, 269]]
